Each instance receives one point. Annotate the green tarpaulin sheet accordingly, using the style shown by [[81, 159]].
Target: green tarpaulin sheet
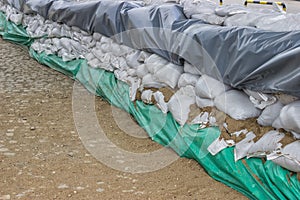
[[253, 177]]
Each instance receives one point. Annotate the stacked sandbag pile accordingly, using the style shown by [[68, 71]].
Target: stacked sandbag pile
[[146, 73], [238, 15]]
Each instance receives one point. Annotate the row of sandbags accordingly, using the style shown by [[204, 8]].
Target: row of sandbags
[[142, 70], [272, 19]]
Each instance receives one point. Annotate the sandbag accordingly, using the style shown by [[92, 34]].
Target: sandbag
[[169, 74], [268, 143], [290, 158], [289, 118], [237, 105], [155, 63], [187, 79], [188, 68], [160, 101], [209, 88], [150, 81], [180, 102], [132, 59], [269, 114], [202, 102], [141, 71], [147, 96]]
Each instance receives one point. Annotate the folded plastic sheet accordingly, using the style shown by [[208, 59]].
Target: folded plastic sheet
[[253, 177], [242, 57]]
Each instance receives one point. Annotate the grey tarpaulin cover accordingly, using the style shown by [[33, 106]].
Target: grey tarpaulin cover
[[242, 57]]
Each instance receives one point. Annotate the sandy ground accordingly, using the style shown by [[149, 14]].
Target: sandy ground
[[42, 156]]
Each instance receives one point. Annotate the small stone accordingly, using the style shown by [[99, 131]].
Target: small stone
[[32, 128], [4, 149], [5, 197], [100, 190], [63, 186], [10, 134], [9, 154]]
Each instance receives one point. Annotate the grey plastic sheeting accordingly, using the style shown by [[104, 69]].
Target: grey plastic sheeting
[[242, 57]]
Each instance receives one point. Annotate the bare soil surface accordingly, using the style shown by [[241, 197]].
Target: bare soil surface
[[42, 156]]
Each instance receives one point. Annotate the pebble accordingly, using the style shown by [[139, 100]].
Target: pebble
[[4, 149], [32, 128], [100, 190], [5, 197], [9, 154], [127, 191], [10, 134], [63, 186]]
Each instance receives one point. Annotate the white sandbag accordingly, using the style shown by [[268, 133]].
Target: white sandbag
[[290, 158], [89, 56], [132, 59], [75, 29], [97, 53], [119, 63], [149, 81], [180, 102], [141, 71], [16, 18], [188, 68], [88, 41], [76, 46], [117, 49], [160, 102], [241, 148], [228, 10], [169, 74], [56, 42], [97, 36], [36, 46], [106, 47], [210, 18], [65, 33], [64, 26], [237, 105], [76, 35], [121, 75], [200, 6], [187, 79], [269, 114], [106, 40], [268, 143], [94, 62], [134, 85], [143, 56], [67, 57], [147, 96], [131, 72], [155, 63], [66, 44], [202, 102], [209, 88], [289, 118]]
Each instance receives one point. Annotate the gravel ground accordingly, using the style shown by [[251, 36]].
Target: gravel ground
[[42, 156]]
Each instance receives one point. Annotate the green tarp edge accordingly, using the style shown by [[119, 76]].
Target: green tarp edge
[[253, 177]]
